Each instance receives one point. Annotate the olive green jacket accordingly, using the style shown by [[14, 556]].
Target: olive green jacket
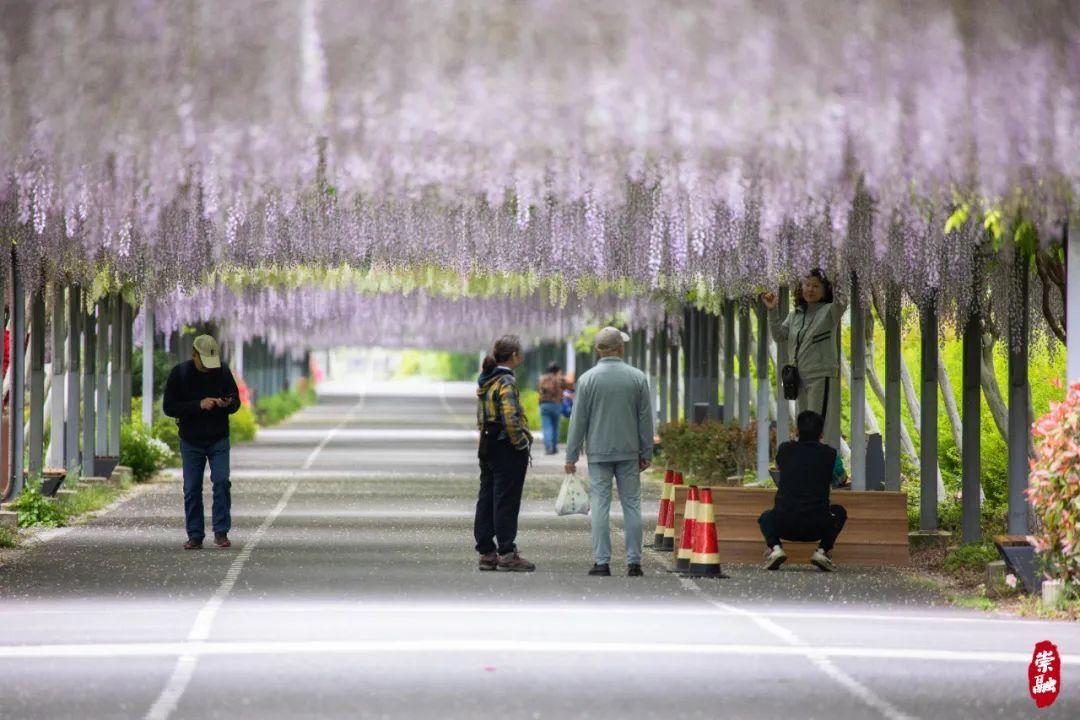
[[812, 336]]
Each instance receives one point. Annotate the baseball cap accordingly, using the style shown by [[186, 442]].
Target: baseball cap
[[610, 338], [209, 353]]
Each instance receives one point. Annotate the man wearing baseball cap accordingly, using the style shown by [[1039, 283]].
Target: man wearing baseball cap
[[201, 394], [613, 420]]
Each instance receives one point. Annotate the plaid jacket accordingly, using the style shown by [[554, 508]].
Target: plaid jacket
[[498, 402]]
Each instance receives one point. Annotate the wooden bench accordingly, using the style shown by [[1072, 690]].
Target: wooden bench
[[876, 532]]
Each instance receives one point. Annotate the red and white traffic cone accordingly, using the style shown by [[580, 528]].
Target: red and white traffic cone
[[667, 495], [686, 540], [705, 557]]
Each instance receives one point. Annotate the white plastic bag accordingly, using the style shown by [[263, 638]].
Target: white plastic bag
[[573, 499]]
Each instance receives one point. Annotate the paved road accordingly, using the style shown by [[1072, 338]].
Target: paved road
[[351, 592]]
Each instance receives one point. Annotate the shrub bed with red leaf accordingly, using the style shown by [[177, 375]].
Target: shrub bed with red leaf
[[1054, 487]]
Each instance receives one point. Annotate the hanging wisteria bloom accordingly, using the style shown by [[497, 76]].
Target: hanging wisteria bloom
[[670, 145]]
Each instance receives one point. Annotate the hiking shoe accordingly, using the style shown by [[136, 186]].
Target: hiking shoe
[[222, 540], [601, 570], [513, 562], [489, 561], [193, 544], [634, 570], [822, 561], [775, 558]]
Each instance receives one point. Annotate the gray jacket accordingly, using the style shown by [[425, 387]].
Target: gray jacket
[[815, 333], [613, 414]]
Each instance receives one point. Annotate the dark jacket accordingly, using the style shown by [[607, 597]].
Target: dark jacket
[[185, 389], [806, 473]]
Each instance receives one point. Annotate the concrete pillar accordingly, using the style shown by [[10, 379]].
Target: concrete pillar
[[928, 440], [18, 368], [730, 398], [571, 359], [654, 377], [662, 354], [101, 381], [689, 359], [673, 382], [893, 387], [38, 329], [858, 387], [1019, 424], [972, 418], [115, 369], [57, 416], [762, 392], [72, 457], [783, 418], [89, 401], [744, 366], [127, 350], [1072, 299], [711, 364], [148, 365]]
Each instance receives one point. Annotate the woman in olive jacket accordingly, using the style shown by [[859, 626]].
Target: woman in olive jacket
[[812, 333]]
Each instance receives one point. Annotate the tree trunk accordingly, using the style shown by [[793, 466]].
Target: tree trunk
[[949, 397], [906, 445], [991, 390], [910, 397]]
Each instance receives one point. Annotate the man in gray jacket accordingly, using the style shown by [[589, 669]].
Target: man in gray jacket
[[613, 419]]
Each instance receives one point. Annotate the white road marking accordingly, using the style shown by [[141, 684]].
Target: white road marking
[[818, 656], [174, 689], [188, 652], [365, 608]]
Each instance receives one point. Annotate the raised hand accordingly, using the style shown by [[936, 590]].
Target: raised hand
[[769, 299]]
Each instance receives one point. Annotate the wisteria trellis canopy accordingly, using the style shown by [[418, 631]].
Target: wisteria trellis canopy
[[671, 142]]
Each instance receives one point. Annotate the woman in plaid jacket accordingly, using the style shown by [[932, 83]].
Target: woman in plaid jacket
[[505, 441]]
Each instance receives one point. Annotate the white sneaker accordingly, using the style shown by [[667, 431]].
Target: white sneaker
[[775, 558], [822, 561]]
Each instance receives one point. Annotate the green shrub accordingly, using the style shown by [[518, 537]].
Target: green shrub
[[972, 557], [167, 431], [8, 538], [242, 425], [35, 509], [272, 409], [710, 451], [436, 365], [1054, 491], [145, 455]]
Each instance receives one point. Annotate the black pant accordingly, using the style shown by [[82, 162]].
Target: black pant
[[824, 527], [502, 477]]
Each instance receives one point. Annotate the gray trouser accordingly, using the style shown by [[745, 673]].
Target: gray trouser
[[812, 396], [628, 478]]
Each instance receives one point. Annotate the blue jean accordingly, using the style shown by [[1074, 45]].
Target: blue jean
[[194, 459], [628, 479], [551, 416]]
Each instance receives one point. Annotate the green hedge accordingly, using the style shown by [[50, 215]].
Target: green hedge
[[710, 451], [272, 409]]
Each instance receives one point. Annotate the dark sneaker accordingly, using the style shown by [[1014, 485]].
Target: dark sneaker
[[601, 570], [489, 561], [193, 544], [222, 540], [512, 562], [634, 570]]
